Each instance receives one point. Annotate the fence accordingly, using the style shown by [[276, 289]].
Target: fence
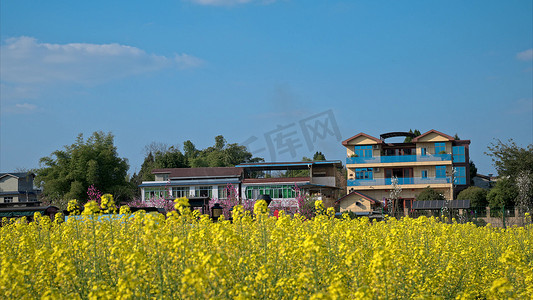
[[497, 217]]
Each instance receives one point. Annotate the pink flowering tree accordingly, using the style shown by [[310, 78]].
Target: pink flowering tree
[[229, 202], [159, 202], [94, 194], [306, 205]]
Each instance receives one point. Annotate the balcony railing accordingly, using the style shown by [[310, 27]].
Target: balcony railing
[[398, 159], [401, 181]]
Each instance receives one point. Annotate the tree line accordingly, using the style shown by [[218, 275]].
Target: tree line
[[68, 173]]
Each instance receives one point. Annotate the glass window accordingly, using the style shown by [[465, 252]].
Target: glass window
[[222, 192], [440, 171], [274, 191], [180, 191], [424, 173], [204, 191], [460, 175], [423, 151], [155, 193], [440, 148], [458, 154], [8, 199], [363, 151], [364, 173]]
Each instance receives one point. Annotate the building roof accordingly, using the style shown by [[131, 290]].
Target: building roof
[[450, 138], [372, 200], [17, 174], [211, 172], [26, 211], [187, 182], [486, 177], [345, 142], [275, 180], [32, 192], [293, 165]]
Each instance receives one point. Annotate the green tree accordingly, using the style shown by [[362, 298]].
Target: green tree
[[408, 139], [221, 154], [148, 165], [298, 173], [503, 194], [515, 168], [171, 158], [190, 151], [429, 194], [476, 195], [473, 171], [67, 174], [510, 159], [145, 174], [319, 156], [235, 154], [220, 142]]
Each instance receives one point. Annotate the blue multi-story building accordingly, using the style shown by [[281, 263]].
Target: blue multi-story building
[[432, 159]]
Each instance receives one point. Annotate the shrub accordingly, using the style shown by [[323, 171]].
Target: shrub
[[476, 195], [429, 194]]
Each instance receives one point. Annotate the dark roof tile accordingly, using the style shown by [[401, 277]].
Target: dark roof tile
[[200, 172]]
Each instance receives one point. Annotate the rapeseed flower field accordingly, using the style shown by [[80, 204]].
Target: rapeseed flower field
[[187, 256]]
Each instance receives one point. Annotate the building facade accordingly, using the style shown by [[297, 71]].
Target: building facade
[[281, 181], [17, 187], [358, 203], [174, 183], [433, 159]]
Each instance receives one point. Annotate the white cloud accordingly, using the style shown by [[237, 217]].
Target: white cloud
[[226, 2], [525, 55], [19, 108], [25, 60], [26, 106]]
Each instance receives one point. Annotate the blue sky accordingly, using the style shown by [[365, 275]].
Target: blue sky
[[170, 71]]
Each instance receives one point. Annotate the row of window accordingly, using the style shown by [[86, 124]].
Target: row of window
[[440, 148], [440, 172], [458, 154], [457, 151], [181, 191], [460, 175], [252, 192], [364, 173], [363, 151], [274, 191]]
